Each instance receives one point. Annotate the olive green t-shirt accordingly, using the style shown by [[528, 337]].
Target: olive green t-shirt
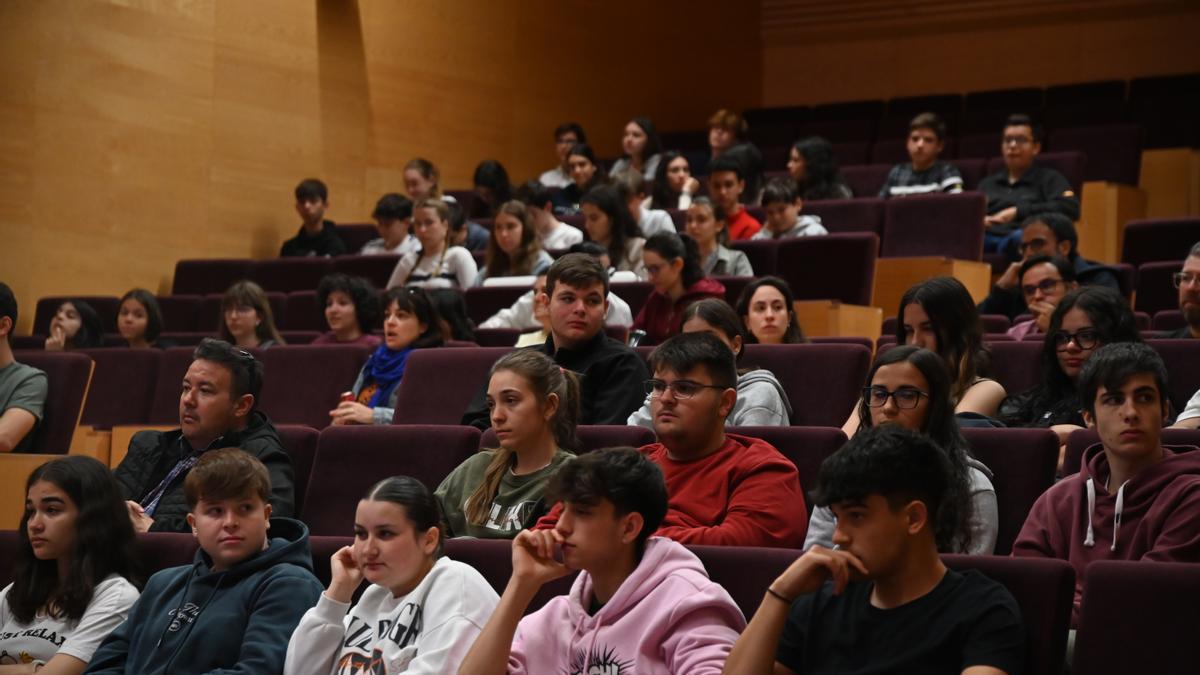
[[517, 505]]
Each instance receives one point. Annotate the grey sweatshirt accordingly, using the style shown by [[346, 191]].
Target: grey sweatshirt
[[761, 402]]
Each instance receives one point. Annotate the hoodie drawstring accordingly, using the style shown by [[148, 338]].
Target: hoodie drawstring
[[1090, 539], [1117, 515]]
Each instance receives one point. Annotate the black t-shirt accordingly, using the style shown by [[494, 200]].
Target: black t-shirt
[[966, 620], [327, 242]]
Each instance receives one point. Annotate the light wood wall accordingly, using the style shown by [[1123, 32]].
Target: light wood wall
[[137, 132]]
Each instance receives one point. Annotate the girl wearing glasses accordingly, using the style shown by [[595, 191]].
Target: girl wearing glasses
[[246, 317], [910, 387], [673, 265]]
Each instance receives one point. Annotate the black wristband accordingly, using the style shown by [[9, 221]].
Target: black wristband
[[778, 596]]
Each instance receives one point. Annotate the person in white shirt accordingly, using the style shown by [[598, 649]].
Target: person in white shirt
[[565, 135], [642, 149], [393, 218], [523, 313], [437, 264], [633, 191], [554, 234]]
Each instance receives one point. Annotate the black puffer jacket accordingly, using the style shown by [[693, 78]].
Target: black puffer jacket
[[152, 455]]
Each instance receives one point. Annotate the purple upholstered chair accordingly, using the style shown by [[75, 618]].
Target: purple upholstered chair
[[300, 442], [934, 225], [303, 311], [438, 384], [301, 384], [68, 376], [1179, 440], [290, 274], [1023, 462], [831, 267], [822, 381], [374, 268], [1159, 240], [863, 214], [204, 276], [122, 386]]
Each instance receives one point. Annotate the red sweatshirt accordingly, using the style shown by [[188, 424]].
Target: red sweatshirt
[[1156, 516], [744, 494], [742, 225], [659, 317]]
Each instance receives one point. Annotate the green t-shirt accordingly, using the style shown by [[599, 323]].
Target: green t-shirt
[[518, 503], [23, 387]]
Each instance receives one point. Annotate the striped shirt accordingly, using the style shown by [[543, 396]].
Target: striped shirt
[[903, 181]]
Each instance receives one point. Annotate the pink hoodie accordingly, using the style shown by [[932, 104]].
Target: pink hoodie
[[667, 617]]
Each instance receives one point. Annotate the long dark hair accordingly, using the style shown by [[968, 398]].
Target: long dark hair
[[718, 314], [1111, 318], [598, 177], [420, 506], [661, 195], [953, 518], [499, 263], [653, 143], [671, 246], [104, 543], [621, 225], [492, 175], [249, 294], [416, 300], [91, 329], [367, 311], [793, 334], [154, 318], [959, 331], [821, 175]]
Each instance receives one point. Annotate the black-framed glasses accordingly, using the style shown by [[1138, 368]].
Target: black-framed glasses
[[682, 389], [906, 398], [1181, 278], [1045, 286], [1085, 339]]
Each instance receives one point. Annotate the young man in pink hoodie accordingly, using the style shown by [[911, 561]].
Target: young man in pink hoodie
[[640, 604], [1132, 499]]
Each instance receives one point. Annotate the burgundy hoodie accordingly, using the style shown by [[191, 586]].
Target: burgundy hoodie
[[660, 315], [1154, 516]]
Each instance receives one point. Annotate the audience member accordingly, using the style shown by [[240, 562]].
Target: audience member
[[421, 181], [75, 326], [139, 320], [585, 175], [1132, 499], [812, 166], [768, 312], [1044, 282], [726, 183], [513, 247], [410, 321], [23, 388], [393, 219], [609, 372], [784, 220], [467, 234], [73, 581], [237, 604], [642, 148], [246, 317], [639, 604], [317, 236], [673, 267], [451, 305], [707, 227], [438, 263], [883, 601], [351, 309], [553, 234], [607, 222], [673, 186], [633, 190], [1188, 282], [534, 408], [1022, 188], [217, 409], [565, 137], [492, 188], [909, 386], [540, 314], [420, 611], [923, 174], [727, 138], [761, 400]]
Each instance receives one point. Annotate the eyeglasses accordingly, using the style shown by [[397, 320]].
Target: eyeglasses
[[1036, 244], [1045, 286], [1181, 278], [683, 389], [1016, 140], [1084, 339], [906, 398]]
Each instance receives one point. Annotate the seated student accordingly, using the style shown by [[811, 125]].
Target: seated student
[[467, 234], [438, 263], [908, 386], [317, 236], [673, 265], [236, 605], [1085, 319], [566, 136], [726, 183], [410, 321], [811, 165], [784, 220], [492, 188], [534, 409], [1187, 281], [451, 306], [728, 138], [513, 247], [1044, 282], [640, 603], [609, 372], [393, 220], [23, 388], [633, 190], [75, 326], [725, 490], [1050, 234], [883, 601], [552, 234], [673, 186], [421, 610], [706, 225], [140, 320], [74, 568], [422, 181], [768, 313], [608, 223], [351, 309], [217, 409], [246, 317], [585, 175], [924, 174], [761, 400], [1132, 499], [642, 148], [1022, 189]]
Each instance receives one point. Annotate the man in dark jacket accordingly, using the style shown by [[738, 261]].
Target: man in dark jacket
[[317, 236], [610, 374], [1187, 280], [216, 410]]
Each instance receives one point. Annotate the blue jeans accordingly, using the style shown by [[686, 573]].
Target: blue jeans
[[1002, 243]]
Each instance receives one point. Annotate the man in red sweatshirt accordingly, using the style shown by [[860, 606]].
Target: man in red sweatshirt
[[1132, 499], [722, 489]]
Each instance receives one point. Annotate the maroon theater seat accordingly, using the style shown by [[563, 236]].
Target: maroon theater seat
[[1114, 151], [484, 301], [323, 547], [493, 559], [1159, 240], [763, 255], [972, 170], [987, 110], [1167, 107], [291, 274], [831, 267], [438, 384], [350, 459], [634, 293], [851, 153], [745, 571], [982, 145], [300, 443], [934, 225], [843, 340], [106, 307], [822, 381], [1022, 462], [807, 447], [303, 311], [734, 287], [1156, 291], [200, 277], [10, 542], [844, 132], [1182, 358], [1016, 365], [593, 437], [295, 338], [374, 268], [179, 311], [162, 550], [863, 214], [68, 376], [356, 235], [301, 384], [1168, 320], [122, 386], [865, 179], [1179, 440], [679, 218], [497, 337], [35, 342]]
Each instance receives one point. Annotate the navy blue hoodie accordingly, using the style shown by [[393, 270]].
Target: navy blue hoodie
[[190, 619]]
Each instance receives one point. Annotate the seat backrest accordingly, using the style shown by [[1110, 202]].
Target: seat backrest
[[302, 383], [438, 384], [493, 559], [865, 179], [484, 301], [1178, 440], [161, 550], [633, 292], [763, 254], [122, 386], [1113, 151], [1155, 290], [982, 144], [201, 276], [68, 376], [807, 447], [300, 442], [1016, 365], [1022, 462], [863, 214], [972, 170], [1182, 359], [832, 267], [106, 307], [593, 437], [350, 459], [303, 311], [374, 268], [497, 337], [934, 225], [822, 381], [1131, 604], [179, 311], [290, 274], [10, 542], [745, 571], [1168, 320], [356, 235], [1159, 240]]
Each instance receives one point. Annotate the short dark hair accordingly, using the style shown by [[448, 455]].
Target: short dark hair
[[955, 319], [588, 248], [1023, 120], [311, 188], [578, 270], [367, 310], [8, 307], [623, 476], [671, 246], [393, 206], [420, 304], [420, 506], [780, 190], [718, 314], [570, 127], [245, 370], [227, 473], [1065, 269], [1113, 364], [154, 317], [533, 193], [653, 142], [931, 121], [685, 351], [1060, 225], [621, 225], [725, 163]]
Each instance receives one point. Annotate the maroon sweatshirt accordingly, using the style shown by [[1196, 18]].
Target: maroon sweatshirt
[[660, 315], [1154, 516]]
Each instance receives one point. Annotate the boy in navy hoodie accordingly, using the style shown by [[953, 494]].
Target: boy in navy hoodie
[[235, 607]]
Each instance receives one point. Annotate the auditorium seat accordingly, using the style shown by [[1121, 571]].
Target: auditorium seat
[[863, 214], [106, 307], [593, 437], [493, 559], [1080, 440], [179, 311], [678, 218], [972, 170], [1022, 462], [438, 384], [867, 343], [497, 337], [1182, 358], [1168, 320], [986, 110], [865, 179], [1114, 151], [745, 571], [122, 386], [300, 443], [484, 301], [158, 551], [934, 225], [303, 311], [1084, 103], [822, 381], [291, 274], [1072, 165], [1167, 107], [831, 267], [35, 342], [1016, 365], [10, 542], [1156, 291], [301, 384], [350, 459], [68, 377], [981, 145], [634, 293], [356, 235], [734, 287], [204, 276], [1159, 240], [846, 130], [374, 268], [762, 254], [187, 338], [293, 338], [807, 447]]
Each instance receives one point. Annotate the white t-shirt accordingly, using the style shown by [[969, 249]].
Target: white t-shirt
[[39, 641], [457, 269], [377, 247], [562, 237], [1192, 409], [555, 178]]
